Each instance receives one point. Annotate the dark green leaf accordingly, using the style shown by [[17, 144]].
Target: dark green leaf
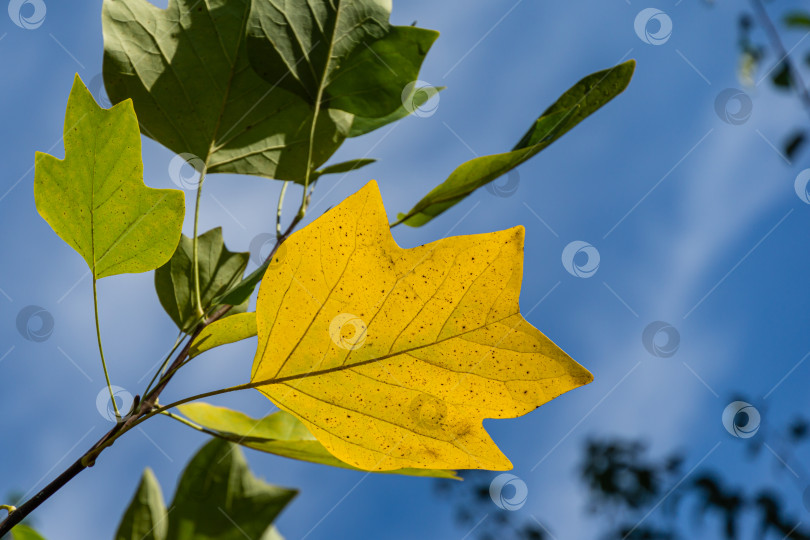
[[279, 433], [343, 167], [797, 19], [411, 104], [220, 270], [186, 69], [218, 498], [342, 55], [145, 518], [794, 143], [781, 76], [579, 102]]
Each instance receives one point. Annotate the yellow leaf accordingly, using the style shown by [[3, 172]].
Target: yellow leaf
[[393, 357]]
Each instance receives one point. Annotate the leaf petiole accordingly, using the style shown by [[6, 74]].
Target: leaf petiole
[[194, 251], [101, 351]]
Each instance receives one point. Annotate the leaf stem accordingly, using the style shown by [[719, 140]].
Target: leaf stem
[[8, 508], [307, 173], [180, 337], [101, 351], [194, 252], [278, 212]]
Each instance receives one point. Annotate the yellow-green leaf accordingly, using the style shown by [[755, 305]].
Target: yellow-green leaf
[[223, 331], [393, 357], [279, 433], [95, 198]]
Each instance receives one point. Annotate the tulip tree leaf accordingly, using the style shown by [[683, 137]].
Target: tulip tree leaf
[[219, 270], [338, 53], [392, 358], [95, 198], [187, 71], [411, 103], [218, 498], [576, 104], [224, 331], [145, 518], [279, 433]]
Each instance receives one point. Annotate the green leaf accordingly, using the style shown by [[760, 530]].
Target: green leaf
[[24, 532], [146, 517], [797, 19], [411, 104], [187, 71], [345, 54], [279, 433], [218, 498], [95, 198], [781, 77], [219, 269], [579, 102], [346, 166], [224, 331]]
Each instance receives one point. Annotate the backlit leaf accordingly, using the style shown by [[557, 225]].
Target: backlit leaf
[[95, 198], [186, 69], [24, 532], [279, 433], [576, 104], [392, 358], [219, 269], [223, 331]]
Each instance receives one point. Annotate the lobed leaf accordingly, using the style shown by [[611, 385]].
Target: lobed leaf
[[576, 104], [95, 198], [392, 358]]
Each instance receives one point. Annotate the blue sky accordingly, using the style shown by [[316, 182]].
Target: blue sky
[[696, 222]]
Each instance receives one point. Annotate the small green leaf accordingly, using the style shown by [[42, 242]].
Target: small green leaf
[[145, 518], [279, 433], [95, 198], [797, 19], [187, 71], [343, 55], [781, 77], [24, 532], [579, 102], [224, 331], [218, 498], [345, 166], [220, 270], [411, 104]]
